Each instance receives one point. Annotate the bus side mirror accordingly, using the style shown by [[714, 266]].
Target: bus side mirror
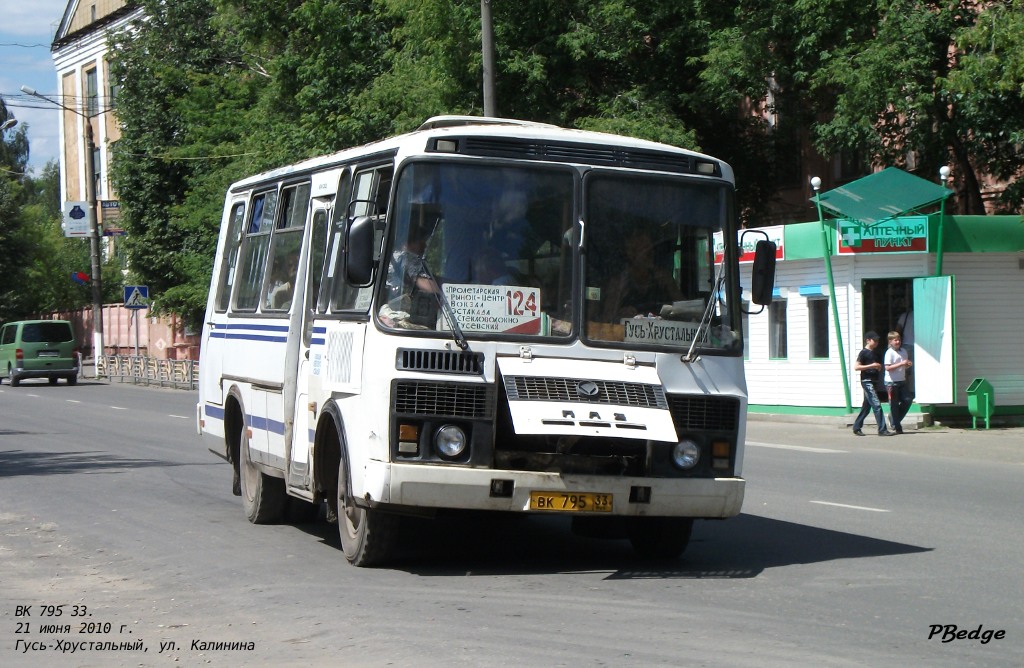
[[762, 275], [359, 251]]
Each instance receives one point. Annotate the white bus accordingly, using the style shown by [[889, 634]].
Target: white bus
[[483, 314]]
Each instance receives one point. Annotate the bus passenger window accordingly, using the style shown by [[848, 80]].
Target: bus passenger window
[[281, 285], [231, 246], [256, 247]]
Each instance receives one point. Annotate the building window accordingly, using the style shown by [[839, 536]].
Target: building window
[[817, 327], [777, 348], [92, 93], [97, 176]]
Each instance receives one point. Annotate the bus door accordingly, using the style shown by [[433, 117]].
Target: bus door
[[214, 338], [305, 412]]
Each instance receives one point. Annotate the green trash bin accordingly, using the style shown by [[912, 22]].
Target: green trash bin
[[981, 400]]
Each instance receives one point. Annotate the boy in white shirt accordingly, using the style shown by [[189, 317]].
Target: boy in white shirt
[[896, 363]]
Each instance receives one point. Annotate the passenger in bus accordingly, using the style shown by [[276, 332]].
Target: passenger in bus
[[282, 286]]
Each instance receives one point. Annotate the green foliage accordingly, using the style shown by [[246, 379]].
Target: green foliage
[[213, 90]]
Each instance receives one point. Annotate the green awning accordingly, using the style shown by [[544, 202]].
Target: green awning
[[881, 196]]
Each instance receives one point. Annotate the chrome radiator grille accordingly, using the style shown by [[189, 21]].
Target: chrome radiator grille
[[532, 388]]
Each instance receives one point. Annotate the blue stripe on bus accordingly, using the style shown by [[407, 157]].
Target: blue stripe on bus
[[254, 421], [317, 342], [248, 337], [263, 328], [266, 424], [249, 332]]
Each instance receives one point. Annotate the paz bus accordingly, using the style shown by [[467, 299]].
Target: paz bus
[[489, 315]]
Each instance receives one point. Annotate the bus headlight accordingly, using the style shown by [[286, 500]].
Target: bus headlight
[[685, 454], [450, 441]]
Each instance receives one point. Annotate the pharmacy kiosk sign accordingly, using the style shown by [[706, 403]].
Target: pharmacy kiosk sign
[[908, 234]]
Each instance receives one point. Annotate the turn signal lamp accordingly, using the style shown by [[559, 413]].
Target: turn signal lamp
[[720, 454], [408, 439]]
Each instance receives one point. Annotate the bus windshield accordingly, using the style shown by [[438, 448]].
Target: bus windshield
[[649, 269], [497, 242]]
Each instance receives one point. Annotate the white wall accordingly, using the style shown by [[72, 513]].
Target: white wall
[[989, 303], [988, 296]]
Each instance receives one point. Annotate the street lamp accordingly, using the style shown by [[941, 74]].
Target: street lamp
[[8, 124], [94, 228]]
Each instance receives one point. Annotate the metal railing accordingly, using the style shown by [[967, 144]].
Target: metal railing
[[182, 374]]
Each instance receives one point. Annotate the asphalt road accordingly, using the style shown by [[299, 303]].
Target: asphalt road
[[850, 552]]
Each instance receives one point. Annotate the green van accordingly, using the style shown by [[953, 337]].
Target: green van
[[38, 349]]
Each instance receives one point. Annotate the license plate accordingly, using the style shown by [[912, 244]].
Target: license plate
[[48, 353], [577, 502]]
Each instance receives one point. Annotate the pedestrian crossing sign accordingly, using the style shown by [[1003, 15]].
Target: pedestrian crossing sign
[[136, 296]]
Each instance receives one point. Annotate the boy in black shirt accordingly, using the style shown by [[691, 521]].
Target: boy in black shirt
[[870, 372]]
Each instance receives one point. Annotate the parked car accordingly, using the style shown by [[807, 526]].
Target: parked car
[[39, 349]]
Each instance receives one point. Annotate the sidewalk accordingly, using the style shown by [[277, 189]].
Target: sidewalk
[[913, 421]]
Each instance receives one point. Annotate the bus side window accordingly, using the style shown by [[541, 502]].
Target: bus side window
[[317, 256], [254, 253], [286, 247], [335, 235], [370, 194], [230, 257]]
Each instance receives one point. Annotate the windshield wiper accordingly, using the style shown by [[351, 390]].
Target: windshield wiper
[[446, 310], [705, 321]]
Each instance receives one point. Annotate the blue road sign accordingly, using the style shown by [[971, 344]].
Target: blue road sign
[[136, 296]]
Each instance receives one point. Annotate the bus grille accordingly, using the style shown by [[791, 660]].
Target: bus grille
[[440, 361], [702, 412], [444, 399], [531, 388]]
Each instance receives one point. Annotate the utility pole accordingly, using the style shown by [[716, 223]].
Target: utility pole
[[94, 227], [487, 38]]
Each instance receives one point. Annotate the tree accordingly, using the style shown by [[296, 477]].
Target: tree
[[15, 243], [987, 89]]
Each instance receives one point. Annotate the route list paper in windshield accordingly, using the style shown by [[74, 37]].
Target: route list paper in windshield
[[508, 309], [658, 331]]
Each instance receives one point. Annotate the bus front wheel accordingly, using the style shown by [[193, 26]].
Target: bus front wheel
[[367, 535], [263, 496], [660, 537]]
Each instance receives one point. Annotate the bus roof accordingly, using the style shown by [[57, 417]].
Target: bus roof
[[478, 126]]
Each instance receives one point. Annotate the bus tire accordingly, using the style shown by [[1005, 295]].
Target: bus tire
[[263, 496], [660, 537], [367, 535]]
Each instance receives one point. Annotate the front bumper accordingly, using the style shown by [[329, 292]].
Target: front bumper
[[470, 489]]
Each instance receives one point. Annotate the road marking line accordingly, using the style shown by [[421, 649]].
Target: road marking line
[[119, 408], [843, 505], [180, 417], [800, 448], [73, 401]]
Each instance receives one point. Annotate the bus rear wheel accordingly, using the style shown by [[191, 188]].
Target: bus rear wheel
[[660, 537], [367, 535], [263, 496]]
